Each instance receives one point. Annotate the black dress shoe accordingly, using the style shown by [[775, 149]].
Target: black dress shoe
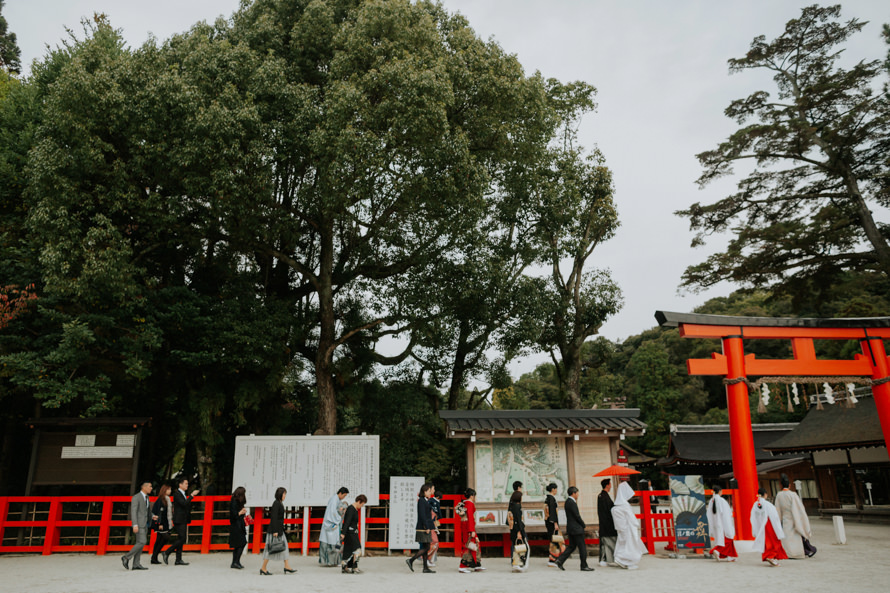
[[155, 561], [410, 564], [140, 567], [126, 562], [586, 569], [181, 563], [166, 556], [263, 572], [289, 570], [427, 570], [560, 566], [236, 566]]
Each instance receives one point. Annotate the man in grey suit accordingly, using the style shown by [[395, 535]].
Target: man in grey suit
[[140, 517]]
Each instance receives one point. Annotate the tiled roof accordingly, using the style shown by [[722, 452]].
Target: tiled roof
[[834, 427], [573, 420], [711, 444]]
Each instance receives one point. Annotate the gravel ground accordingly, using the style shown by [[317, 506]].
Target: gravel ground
[[861, 566]]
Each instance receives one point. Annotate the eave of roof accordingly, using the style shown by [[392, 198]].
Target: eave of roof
[[672, 319], [463, 423]]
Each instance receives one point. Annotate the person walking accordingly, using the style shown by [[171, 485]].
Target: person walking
[[436, 510], [575, 529], [629, 548], [163, 510], [767, 529], [237, 528], [517, 530], [722, 527], [551, 521], [140, 517], [423, 529], [608, 535], [182, 516], [352, 545], [275, 535], [470, 552], [795, 522], [329, 537]]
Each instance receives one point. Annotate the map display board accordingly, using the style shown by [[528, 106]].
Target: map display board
[[311, 468], [533, 461], [690, 514], [403, 492]]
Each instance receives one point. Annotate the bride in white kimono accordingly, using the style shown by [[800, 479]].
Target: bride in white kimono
[[629, 548]]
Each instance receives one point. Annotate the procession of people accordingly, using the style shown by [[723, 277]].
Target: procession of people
[[781, 530]]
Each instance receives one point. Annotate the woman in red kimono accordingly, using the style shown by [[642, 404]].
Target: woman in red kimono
[[469, 559], [767, 529]]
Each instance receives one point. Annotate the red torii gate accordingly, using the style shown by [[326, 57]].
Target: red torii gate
[[733, 363]]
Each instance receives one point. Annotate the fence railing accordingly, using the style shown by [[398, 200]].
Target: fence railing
[[53, 524]]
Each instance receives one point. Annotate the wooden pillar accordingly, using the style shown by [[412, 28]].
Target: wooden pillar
[[874, 347], [744, 460], [307, 511]]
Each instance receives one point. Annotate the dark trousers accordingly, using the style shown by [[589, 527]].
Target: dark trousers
[[161, 539], [575, 541], [236, 554], [181, 536]]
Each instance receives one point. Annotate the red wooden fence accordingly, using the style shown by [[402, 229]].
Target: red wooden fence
[[49, 524]]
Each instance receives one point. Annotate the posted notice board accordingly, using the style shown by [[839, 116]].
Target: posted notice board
[[311, 468]]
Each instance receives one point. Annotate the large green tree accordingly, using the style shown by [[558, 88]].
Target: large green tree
[[818, 145], [10, 54]]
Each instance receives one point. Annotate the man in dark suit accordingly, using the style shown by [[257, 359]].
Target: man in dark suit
[[182, 516], [140, 518], [608, 534], [575, 530]]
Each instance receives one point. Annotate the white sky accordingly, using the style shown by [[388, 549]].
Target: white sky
[[660, 69]]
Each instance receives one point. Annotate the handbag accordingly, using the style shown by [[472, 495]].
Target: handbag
[[277, 545], [423, 537], [472, 546], [557, 538], [520, 547], [248, 520], [808, 549]]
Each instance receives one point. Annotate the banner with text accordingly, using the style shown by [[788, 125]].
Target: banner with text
[[690, 517], [311, 468], [403, 492]]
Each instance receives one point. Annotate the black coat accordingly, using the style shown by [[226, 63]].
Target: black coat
[[604, 506], [552, 509], [237, 533], [574, 523], [424, 514], [159, 509], [182, 508], [276, 518], [351, 541]]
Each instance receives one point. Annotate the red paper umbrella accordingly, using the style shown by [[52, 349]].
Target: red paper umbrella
[[616, 470]]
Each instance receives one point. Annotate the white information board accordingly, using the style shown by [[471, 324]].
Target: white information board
[[403, 492], [311, 468]]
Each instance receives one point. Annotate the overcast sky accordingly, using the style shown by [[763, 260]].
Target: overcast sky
[[662, 80]]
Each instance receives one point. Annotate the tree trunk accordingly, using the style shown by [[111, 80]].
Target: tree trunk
[[206, 470], [324, 380], [572, 363], [457, 371]]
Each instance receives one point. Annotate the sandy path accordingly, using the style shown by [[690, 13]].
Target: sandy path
[[861, 566]]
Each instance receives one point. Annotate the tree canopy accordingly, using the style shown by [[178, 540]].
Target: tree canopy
[[818, 145]]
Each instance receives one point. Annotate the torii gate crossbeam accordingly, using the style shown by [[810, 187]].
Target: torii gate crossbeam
[[733, 363]]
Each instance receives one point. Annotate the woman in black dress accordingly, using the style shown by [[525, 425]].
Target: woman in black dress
[[163, 510], [349, 540], [425, 526], [274, 531], [517, 529], [237, 532]]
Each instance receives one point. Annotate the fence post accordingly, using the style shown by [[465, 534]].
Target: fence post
[[105, 526], [207, 527], [646, 504], [458, 535], [306, 512], [257, 530], [4, 510], [51, 536]]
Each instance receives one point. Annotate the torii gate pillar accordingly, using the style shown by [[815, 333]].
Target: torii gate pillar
[[734, 364], [741, 435]]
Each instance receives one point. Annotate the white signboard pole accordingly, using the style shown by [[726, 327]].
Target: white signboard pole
[[311, 468], [403, 511]]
